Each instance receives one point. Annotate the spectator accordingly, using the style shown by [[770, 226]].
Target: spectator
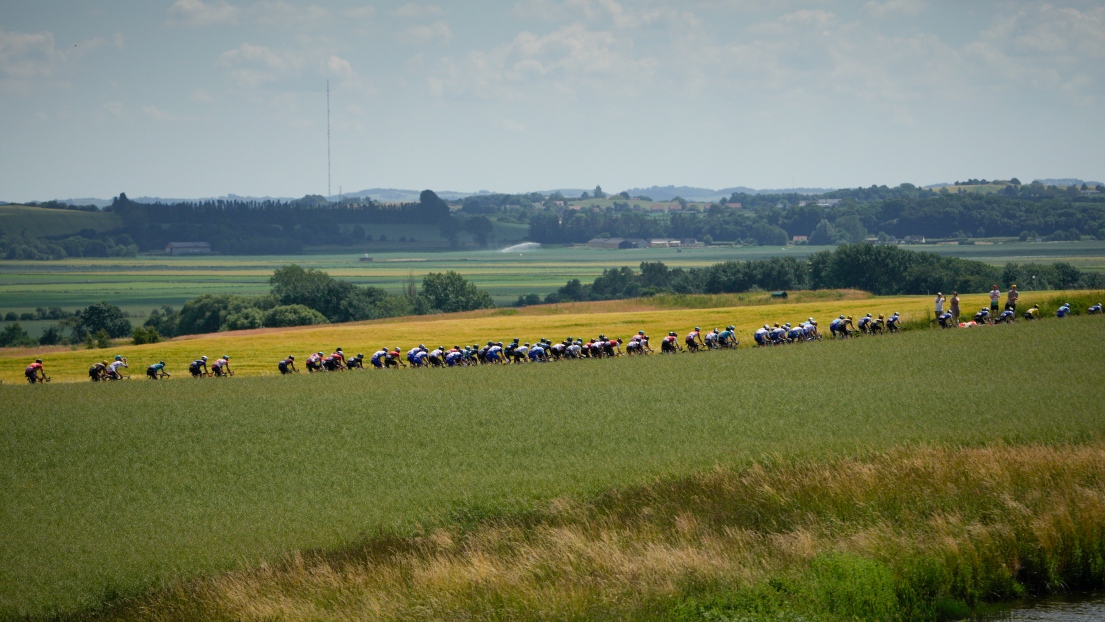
[[1011, 299], [995, 298], [940, 303], [955, 308]]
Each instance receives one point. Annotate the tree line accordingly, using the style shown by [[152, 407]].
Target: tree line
[[776, 219], [298, 297], [267, 227], [880, 269]]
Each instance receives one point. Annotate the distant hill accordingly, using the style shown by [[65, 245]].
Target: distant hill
[[1068, 181], [42, 222], [691, 193]]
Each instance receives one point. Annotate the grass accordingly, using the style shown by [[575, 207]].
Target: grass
[[118, 489], [255, 352], [919, 533], [139, 284]]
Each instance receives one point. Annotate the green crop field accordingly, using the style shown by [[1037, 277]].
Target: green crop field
[[40, 222], [141, 283], [117, 488]]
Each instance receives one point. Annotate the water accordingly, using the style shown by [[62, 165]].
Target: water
[[524, 246], [1058, 609]]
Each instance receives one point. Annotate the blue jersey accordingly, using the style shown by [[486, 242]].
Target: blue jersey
[[1063, 311]]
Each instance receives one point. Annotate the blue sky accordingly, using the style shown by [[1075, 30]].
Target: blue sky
[[208, 97]]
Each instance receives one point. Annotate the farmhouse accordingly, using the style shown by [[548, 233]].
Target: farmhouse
[[188, 248]]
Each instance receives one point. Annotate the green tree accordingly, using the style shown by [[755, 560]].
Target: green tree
[[243, 319], [450, 292], [293, 315], [481, 229], [13, 336], [102, 317], [103, 339], [599, 194], [50, 337]]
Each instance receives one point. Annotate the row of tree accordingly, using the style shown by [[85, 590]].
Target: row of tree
[[938, 215], [87, 243], [302, 297], [881, 270], [267, 227]]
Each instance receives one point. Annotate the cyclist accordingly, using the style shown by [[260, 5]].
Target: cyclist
[[287, 365], [157, 371], [113, 372], [357, 362], [694, 340], [35, 373], [1094, 310], [96, 372], [198, 368], [1064, 310], [894, 323], [221, 367]]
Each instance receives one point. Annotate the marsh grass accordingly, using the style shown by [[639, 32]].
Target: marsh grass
[[915, 533]]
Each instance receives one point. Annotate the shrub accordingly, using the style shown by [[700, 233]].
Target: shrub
[[246, 318], [13, 336], [293, 315], [144, 334]]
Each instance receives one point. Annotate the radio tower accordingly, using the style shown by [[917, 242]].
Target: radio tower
[[327, 139]]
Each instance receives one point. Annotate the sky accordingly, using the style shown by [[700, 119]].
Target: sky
[[198, 98]]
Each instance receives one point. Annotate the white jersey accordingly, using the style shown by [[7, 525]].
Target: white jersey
[[114, 367]]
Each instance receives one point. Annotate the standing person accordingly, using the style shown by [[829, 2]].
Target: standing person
[[1011, 300], [955, 308], [995, 298], [939, 306]]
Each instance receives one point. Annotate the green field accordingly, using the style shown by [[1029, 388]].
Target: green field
[[38, 222], [114, 489], [139, 284]]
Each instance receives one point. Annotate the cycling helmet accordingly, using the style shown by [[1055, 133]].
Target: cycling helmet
[[842, 317], [203, 358], [339, 350], [103, 362], [320, 352], [161, 363], [880, 316], [515, 340], [226, 357], [697, 328], [292, 357], [868, 315], [526, 344], [671, 333], [640, 332], [38, 360], [118, 357], [359, 355]]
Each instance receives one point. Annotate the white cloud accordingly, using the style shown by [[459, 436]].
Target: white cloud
[[568, 59], [892, 8], [360, 13], [159, 114], [1045, 47], [200, 13], [437, 32], [28, 56], [278, 13], [202, 96], [337, 66], [250, 65], [415, 10]]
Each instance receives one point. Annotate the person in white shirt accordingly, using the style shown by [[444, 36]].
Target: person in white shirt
[[939, 307], [995, 296]]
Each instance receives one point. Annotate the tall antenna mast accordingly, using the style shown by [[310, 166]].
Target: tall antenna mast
[[327, 139]]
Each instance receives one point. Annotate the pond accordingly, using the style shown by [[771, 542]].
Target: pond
[[1071, 608]]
